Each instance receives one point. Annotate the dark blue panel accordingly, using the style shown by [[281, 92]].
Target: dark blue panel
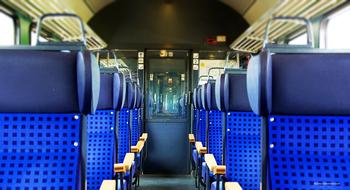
[[39, 151], [243, 149], [202, 127], [123, 134], [309, 152], [215, 135], [135, 127], [100, 147]]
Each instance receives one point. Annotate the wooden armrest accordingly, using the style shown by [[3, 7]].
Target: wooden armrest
[[232, 186], [108, 185], [138, 148], [200, 148], [128, 159], [126, 165], [211, 162], [144, 137], [119, 168], [220, 170], [191, 138]]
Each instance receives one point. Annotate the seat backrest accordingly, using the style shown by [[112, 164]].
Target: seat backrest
[[125, 120], [43, 95], [136, 124], [101, 130], [243, 131], [215, 128], [304, 97]]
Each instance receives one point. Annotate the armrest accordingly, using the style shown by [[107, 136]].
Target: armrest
[[211, 162], [232, 186], [200, 149], [128, 160], [191, 138], [220, 170], [126, 165], [108, 185], [138, 148], [144, 137], [213, 166]]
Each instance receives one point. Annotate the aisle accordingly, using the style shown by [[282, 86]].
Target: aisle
[[156, 182]]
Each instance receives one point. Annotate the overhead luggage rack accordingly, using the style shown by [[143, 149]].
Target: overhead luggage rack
[[65, 29], [252, 39]]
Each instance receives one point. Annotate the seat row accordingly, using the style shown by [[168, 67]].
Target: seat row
[[64, 124], [282, 124]]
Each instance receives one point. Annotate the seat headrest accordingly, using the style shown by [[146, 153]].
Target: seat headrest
[[199, 97], [305, 83], [37, 81], [204, 96], [130, 100], [210, 98], [231, 92], [112, 91], [194, 98], [138, 97]]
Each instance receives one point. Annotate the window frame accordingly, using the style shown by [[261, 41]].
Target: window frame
[[11, 14], [325, 22]]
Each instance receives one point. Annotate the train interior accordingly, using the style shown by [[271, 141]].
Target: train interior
[[174, 94]]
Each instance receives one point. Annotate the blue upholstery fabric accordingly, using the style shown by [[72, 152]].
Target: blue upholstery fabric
[[135, 133], [123, 134], [195, 123], [100, 147], [202, 127], [39, 151], [215, 144], [309, 152], [243, 149], [47, 82]]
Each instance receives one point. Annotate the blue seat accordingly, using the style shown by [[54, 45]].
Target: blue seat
[[44, 97], [304, 98], [243, 130], [101, 130]]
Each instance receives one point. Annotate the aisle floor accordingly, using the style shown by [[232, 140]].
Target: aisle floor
[[157, 182]]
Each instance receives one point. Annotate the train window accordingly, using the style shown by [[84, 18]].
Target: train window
[[336, 31], [33, 38], [7, 31], [299, 40]]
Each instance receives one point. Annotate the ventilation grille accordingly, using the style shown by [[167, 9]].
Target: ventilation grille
[[252, 39]]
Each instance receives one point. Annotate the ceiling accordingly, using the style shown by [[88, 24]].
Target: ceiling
[[251, 10]]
